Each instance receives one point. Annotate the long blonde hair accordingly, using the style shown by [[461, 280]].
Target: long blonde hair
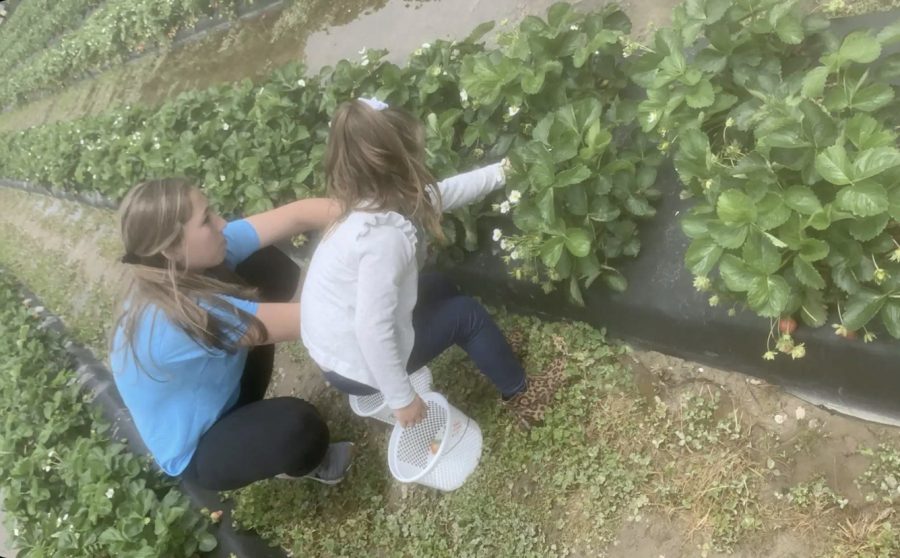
[[375, 161], [152, 218]]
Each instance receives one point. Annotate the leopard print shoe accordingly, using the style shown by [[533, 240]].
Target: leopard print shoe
[[530, 405], [518, 342]]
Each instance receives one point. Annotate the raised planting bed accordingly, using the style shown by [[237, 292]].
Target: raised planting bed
[[94, 379], [661, 310]]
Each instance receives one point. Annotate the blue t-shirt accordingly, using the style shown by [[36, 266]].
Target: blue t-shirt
[[181, 387]]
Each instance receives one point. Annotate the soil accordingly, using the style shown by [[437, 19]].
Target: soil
[[819, 443]]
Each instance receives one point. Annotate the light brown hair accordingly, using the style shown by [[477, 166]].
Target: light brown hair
[[152, 219], [375, 161]]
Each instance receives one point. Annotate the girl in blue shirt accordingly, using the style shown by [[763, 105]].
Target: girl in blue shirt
[[192, 349]]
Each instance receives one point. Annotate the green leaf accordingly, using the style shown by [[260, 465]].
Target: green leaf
[[728, 236], [814, 82], [616, 281], [574, 175], [575, 291], [578, 241], [206, 542], [552, 250], [861, 308], [865, 132], [894, 203], [890, 317], [702, 255], [772, 212], [863, 200], [807, 274], [547, 206], [790, 29], [701, 95], [889, 35], [802, 200], [872, 97], [479, 32], [813, 310], [768, 296], [860, 46], [736, 274], [697, 226], [867, 228], [787, 139], [833, 166], [813, 250], [735, 208], [639, 207], [873, 162], [820, 220], [761, 254], [527, 217]]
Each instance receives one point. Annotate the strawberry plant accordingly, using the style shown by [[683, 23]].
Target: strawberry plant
[[784, 138], [551, 97], [575, 194], [36, 23], [68, 488], [115, 30]]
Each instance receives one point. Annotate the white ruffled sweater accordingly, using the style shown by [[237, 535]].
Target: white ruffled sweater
[[362, 286]]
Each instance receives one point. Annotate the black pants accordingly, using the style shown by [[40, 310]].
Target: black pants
[[259, 438], [442, 318]]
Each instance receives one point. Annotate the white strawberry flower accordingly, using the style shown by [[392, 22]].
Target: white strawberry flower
[[515, 196], [780, 418], [498, 234], [463, 95], [514, 255], [504, 207], [225, 126], [573, 27], [504, 244], [110, 492], [513, 111], [301, 83], [800, 413], [362, 51], [426, 45]]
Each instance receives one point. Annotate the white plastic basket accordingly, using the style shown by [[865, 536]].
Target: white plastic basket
[[374, 406], [440, 452]]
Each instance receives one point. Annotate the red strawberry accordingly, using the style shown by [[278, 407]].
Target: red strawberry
[[787, 325]]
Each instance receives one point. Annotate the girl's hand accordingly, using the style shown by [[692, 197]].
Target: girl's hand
[[412, 414]]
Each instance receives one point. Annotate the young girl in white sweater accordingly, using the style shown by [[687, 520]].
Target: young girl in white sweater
[[368, 318]]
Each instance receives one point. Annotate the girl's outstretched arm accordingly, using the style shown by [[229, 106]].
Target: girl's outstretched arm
[[468, 187], [294, 218]]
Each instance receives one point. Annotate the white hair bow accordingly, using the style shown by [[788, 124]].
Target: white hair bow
[[374, 103]]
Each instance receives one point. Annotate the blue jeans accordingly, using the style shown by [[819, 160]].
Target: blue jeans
[[442, 318]]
